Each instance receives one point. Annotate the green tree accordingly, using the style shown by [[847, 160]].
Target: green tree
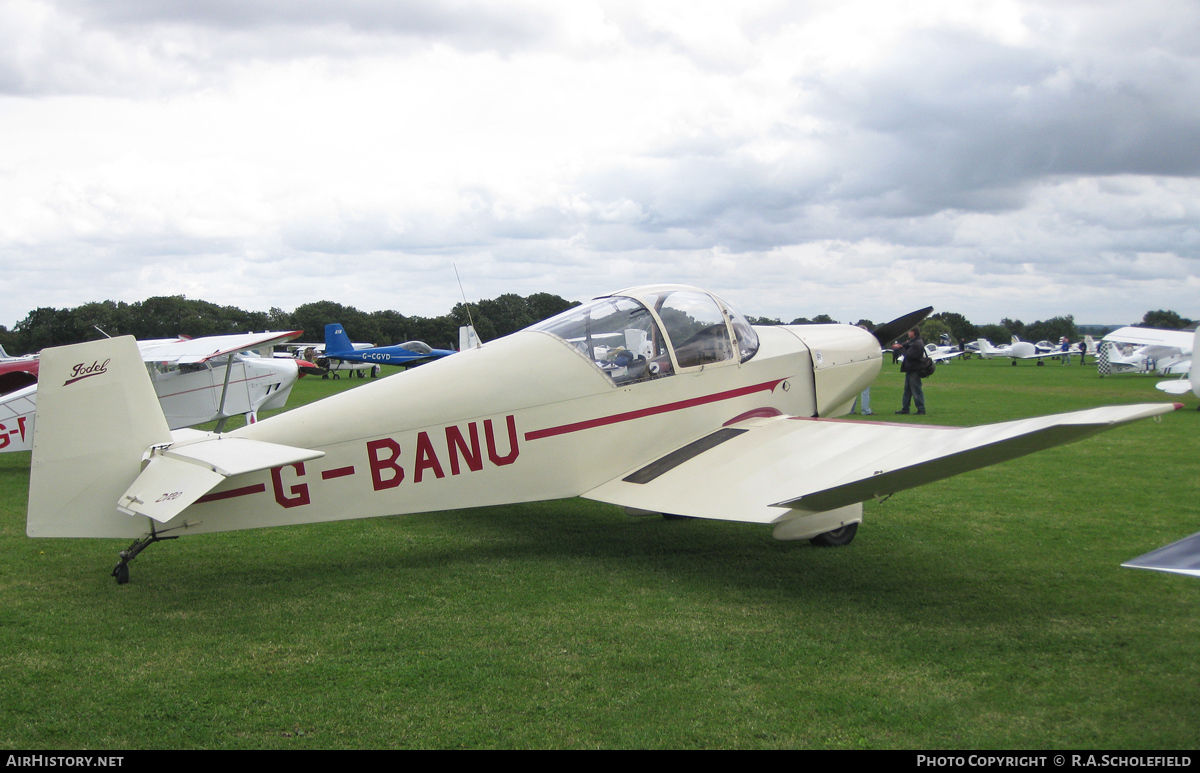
[[1015, 327], [997, 334], [932, 329], [961, 330], [1164, 319], [1053, 329]]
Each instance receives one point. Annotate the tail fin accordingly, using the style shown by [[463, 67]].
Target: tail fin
[[985, 346], [467, 338], [97, 413], [336, 339]]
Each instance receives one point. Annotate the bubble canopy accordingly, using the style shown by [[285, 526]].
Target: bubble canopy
[[649, 332]]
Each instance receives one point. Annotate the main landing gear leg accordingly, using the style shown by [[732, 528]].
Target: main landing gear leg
[[121, 570]]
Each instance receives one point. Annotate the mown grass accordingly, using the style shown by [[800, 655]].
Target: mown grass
[[985, 611]]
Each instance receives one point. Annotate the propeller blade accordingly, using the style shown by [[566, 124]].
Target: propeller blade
[[890, 331]]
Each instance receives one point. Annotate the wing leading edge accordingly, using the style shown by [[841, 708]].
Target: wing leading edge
[[1182, 557], [764, 470]]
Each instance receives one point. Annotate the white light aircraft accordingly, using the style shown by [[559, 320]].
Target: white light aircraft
[[659, 399], [1166, 351], [216, 377], [1181, 386], [944, 353], [196, 380], [1018, 350]]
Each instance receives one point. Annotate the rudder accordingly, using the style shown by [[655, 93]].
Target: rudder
[[97, 413], [336, 339]]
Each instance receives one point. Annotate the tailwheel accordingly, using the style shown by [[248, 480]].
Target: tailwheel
[[121, 570], [837, 537]]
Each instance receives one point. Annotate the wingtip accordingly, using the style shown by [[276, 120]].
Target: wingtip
[[1178, 406]]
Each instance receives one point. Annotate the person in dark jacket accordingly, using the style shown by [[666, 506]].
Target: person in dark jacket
[[914, 353]]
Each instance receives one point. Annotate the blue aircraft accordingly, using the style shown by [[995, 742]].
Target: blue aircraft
[[338, 347]]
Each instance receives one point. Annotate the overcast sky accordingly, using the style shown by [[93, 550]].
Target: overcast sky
[[858, 159]]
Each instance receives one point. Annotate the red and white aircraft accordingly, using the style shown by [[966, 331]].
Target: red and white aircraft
[[658, 398], [196, 380]]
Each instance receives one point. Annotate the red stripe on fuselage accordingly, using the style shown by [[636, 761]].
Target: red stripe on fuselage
[[617, 418]]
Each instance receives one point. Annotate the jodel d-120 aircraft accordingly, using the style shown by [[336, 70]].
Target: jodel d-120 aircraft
[[659, 398]]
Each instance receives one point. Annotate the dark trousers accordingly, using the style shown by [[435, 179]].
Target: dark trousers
[[913, 392]]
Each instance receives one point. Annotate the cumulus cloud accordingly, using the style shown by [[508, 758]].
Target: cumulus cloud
[[996, 158]]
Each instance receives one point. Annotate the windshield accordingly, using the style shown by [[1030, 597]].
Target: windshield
[[617, 334], [747, 339]]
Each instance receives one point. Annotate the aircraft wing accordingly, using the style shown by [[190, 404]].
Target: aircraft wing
[[762, 470], [195, 350], [1147, 336], [1182, 557]]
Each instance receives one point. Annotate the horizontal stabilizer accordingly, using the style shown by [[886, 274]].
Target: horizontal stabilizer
[[1178, 386], [236, 455], [763, 470], [1182, 557], [179, 474]]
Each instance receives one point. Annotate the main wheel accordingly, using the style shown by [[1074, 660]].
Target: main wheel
[[837, 537], [121, 572]]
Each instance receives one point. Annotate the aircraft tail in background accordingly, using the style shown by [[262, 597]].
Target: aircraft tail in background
[[336, 339]]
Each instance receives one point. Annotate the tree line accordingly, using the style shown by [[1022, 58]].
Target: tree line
[[175, 315]]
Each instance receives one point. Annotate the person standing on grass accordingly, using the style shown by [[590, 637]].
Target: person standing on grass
[[914, 352], [865, 396]]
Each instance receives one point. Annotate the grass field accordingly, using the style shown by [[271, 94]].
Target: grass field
[[986, 611]]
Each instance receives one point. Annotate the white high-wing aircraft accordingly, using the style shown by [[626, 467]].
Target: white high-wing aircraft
[[1167, 351], [216, 377], [658, 398], [1182, 557], [196, 380], [1181, 386]]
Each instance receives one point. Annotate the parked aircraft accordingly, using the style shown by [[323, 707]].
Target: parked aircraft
[[658, 398], [196, 381], [312, 353], [1182, 386], [216, 377], [17, 372], [338, 347], [1017, 350], [1150, 349], [18, 388], [942, 353], [16, 418]]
